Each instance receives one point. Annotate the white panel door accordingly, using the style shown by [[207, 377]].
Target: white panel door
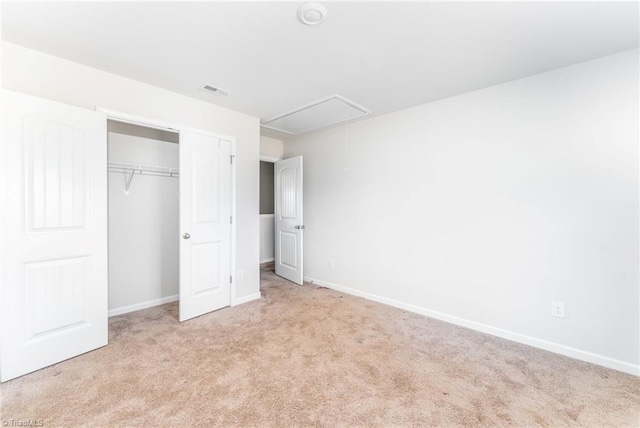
[[205, 224], [54, 233], [289, 224]]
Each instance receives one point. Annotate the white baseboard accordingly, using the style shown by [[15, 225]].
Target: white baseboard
[[272, 259], [557, 348], [245, 299], [143, 305], [169, 299]]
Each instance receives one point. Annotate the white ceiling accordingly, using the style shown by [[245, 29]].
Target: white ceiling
[[384, 56]]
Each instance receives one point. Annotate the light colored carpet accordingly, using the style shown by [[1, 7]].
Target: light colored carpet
[[312, 356]]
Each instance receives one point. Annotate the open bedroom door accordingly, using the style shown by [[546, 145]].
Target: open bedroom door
[[205, 224], [289, 227]]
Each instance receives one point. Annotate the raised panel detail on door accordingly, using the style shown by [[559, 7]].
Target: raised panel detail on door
[[55, 175], [289, 249], [206, 179], [205, 260], [54, 292], [288, 199]]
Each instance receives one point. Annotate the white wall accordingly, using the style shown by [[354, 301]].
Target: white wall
[[46, 76], [143, 226], [271, 147], [483, 208]]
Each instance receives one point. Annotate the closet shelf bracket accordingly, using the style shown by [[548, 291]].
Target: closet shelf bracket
[[128, 179]]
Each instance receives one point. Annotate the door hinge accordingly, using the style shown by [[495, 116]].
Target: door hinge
[[232, 156], [231, 219], [231, 279]]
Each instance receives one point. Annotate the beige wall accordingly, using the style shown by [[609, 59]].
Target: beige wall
[[50, 77], [271, 147]]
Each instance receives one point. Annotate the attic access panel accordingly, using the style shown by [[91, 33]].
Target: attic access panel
[[320, 114]]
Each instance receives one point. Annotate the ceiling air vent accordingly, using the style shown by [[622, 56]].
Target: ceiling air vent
[[217, 91], [320, 114]]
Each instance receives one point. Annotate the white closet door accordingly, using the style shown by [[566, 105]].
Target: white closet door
[[205, 224], [289, 220], [54, 233]]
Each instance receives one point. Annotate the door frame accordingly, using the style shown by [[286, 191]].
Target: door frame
[[270, 159], [175, 128], [273, 160]]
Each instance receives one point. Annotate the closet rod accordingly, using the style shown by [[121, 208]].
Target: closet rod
[[132, 168]]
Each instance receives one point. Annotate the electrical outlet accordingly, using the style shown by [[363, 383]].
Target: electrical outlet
[[240, 274], [557, 309], [332, 263]]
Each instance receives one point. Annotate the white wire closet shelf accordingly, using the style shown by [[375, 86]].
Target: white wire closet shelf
[[131, 169]]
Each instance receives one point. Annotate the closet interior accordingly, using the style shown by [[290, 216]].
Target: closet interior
[[143, 217]]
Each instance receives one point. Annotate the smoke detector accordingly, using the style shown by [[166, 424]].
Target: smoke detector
[[312, 13]]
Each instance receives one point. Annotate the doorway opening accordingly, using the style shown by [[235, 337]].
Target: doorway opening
[[143, 217], [281, 219], [267, 219]]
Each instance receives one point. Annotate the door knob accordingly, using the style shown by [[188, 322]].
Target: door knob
[[299, 226], [186, 236]]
